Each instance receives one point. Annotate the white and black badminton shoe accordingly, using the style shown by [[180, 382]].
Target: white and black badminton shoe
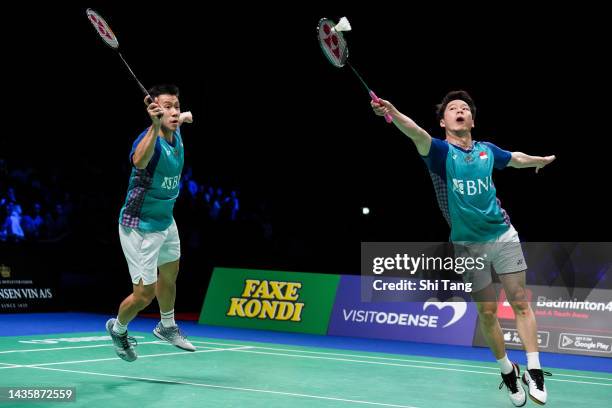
[[534, 379], [513, 384]]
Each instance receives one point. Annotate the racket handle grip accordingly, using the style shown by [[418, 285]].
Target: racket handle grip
[[388, 117], [150, 99]]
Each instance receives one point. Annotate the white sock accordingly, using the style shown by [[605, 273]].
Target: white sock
[[505, 365], [118, 327], [533, 360], [167, 318]]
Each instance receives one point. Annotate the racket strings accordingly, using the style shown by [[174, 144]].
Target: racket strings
[[332, 43]]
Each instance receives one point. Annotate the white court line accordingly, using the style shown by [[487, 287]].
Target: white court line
[[75, 347], [577, 382], [290, 394], [402, 365], [356, 355], [366, 362], [9, 366], [331, 354], [139, 356], [496, 369]]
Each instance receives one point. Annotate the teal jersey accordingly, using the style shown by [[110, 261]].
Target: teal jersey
[[152, 191], [463, 181]]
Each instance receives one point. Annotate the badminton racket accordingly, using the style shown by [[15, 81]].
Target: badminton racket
[[107, 35], [335, 48]]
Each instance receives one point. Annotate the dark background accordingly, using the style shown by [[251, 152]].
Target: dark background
[[294, 134]]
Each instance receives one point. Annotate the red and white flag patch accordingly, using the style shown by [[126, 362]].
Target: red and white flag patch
[[483, 156]]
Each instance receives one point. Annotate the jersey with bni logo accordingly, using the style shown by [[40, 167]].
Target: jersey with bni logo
[[463, 181], [152, 191]]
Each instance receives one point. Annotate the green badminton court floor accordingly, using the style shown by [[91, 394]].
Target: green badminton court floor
[[227, 373]]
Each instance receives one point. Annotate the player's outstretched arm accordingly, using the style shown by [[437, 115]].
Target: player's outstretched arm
[[521, 160], [419, 136]]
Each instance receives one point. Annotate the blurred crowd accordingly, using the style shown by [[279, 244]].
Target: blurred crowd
[[38, 206], [33, 206]]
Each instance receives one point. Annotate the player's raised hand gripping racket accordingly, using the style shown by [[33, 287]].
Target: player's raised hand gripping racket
[[334, 47], [110, 39]]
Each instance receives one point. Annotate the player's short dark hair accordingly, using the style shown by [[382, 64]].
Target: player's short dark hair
[[164, 89], [454, 95]]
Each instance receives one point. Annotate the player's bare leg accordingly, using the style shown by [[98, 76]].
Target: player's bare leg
[[486, 302], [166, 296], [514, 286], [140, 298]]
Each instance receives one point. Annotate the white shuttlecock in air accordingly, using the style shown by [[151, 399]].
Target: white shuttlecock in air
[[343, 25]]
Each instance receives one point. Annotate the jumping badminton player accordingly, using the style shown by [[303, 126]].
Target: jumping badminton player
[[461, 171], [147, 230]]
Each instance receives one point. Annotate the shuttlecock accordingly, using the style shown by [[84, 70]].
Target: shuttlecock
[[343, 25]]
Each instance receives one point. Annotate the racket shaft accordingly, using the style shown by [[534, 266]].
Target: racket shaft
[[144, 90], [388, 117]]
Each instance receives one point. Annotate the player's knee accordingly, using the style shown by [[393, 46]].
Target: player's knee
[[518, 293], [487, 312], [520, 307], [142, 301], [144, 297], [518, 300]]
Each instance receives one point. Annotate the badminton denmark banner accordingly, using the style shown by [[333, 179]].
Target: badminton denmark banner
[[432, 321], [270, 300], [572, 300], [570, 321]]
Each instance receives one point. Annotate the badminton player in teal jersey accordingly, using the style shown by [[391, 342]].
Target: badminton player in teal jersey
[[147, 230], [461, 170]]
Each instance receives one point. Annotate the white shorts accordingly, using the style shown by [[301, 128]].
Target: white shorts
[[504, 254], [145, 251]]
